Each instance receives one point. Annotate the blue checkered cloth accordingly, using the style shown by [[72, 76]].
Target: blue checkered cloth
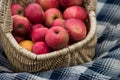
[[106, 63]]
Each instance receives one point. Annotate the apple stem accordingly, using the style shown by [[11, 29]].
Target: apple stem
[[55, 17], [20, 27], [20, 12], [56, 32]]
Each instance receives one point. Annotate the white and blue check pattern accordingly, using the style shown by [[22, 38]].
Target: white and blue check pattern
[[106, 63]]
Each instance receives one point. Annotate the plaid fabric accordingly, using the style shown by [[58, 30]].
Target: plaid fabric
[[106, 64]]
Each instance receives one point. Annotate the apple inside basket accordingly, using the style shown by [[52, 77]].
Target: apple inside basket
[[50, 34]]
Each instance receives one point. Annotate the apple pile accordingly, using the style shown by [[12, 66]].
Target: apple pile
[[48, 25]]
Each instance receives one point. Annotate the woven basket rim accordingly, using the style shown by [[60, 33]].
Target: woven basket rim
[[63, 51]]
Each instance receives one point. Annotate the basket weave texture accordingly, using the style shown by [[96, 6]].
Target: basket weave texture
[[23, 60]]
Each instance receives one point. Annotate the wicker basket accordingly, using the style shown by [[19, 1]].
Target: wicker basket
[[23, 60]]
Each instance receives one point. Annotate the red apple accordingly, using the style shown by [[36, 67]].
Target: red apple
[[58, 22], [46, 4], [17, 9], [39, 34], [34, 13], [33, 27], [75, 12], [76, 29], [18, 38], [21, 25], [36, 26], [50, 15], [40, 48], [68, 3], [57, 37]]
